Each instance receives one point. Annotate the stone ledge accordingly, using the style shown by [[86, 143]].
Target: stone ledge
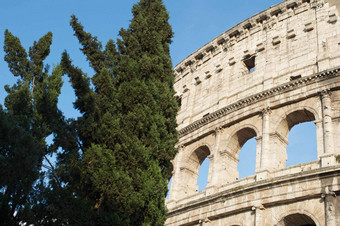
[[201, 199], [286, 87]]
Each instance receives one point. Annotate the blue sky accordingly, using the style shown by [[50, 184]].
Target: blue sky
[[194, 23]]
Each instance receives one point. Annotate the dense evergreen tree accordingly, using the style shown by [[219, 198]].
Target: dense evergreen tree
[[114, 161], [31, 110], [127, 132]]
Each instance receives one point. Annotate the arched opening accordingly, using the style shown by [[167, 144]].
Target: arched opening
[[301, 146], [279, 139], [293, 119], [296, 219], [242, 149], [203, 173], [247, 159], [199, 163], [190, 171]]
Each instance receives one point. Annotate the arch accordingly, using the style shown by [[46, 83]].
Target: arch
[[196, 150], [240, 136], [279, 139], [294, 117], [234, 145], [297, 218], [189, 170]]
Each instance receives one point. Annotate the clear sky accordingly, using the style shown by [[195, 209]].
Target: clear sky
[[194, 23]]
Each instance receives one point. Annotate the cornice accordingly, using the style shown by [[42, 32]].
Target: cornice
[[286, 87]]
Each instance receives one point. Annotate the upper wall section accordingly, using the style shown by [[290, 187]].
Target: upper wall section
[[290, 40]]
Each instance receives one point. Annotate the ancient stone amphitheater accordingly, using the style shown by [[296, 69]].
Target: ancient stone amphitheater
[[275, 70]]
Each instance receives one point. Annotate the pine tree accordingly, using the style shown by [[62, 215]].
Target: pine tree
[[31, 110], [126, 135]]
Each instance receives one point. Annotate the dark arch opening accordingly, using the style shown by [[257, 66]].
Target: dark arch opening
[[244, 135], [293, 119], [299, 116], [297, 219]]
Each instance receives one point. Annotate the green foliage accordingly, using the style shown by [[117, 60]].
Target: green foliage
[[114, 160], [127, 132], [30, 115], [20, 161]]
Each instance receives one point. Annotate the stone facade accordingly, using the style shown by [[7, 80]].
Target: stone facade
[[275, 70]]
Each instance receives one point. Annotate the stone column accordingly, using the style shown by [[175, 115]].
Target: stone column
[[264, 163], [327, 121], [211, 169], [258, 154], [258, 209], [210, 188], [175, 189], [214, 171], [319, 137], [225, 163], [329, 199], [265, 137], [328, 155]]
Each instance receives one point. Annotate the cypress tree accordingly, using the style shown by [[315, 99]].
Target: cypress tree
[[119, 164], [31, 109], [147, 100]]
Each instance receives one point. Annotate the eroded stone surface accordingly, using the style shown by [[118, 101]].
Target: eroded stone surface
[[277, 69]]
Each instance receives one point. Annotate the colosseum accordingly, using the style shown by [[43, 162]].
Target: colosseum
[[279, 68]]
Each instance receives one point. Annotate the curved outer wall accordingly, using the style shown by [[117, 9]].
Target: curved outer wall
[[277, 69]]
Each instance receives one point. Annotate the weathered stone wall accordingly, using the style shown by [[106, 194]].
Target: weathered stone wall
[[277, 69]]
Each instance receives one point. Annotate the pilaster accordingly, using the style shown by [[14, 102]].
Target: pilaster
[[328, 156], [329, 198]]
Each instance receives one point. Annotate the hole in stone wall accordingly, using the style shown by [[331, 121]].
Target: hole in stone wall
[[179, 101], [247, 157], [295, 77], [249, 62], [203, 173], [302, 146]]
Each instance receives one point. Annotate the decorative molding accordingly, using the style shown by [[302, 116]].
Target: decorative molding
[[253, 99], [325, 93], [266, 111], [327, 192], [219, 130], [181, 147]]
